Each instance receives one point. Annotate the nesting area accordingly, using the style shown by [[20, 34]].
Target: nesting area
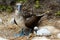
[[51, 26], [29, 19]]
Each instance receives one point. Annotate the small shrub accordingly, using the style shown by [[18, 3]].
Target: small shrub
[[21, 0], [9, 9], [37, 5], [6, 8], [2, 7], [58, 13]]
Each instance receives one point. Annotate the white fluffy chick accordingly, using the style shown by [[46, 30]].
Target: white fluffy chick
[[35, 29]]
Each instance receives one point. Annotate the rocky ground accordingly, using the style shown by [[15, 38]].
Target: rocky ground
[[9, 30]]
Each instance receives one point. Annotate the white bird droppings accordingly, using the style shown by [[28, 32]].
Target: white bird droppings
[[44, 32], [3, 38]]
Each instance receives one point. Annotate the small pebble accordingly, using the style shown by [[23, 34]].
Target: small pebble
[[40, 38]]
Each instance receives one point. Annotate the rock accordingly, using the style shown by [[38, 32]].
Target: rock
[[50, 28], [3, 38], [0, 21], [43, 32], [1, 1], [12, 21], [40, 38], [58, 35]]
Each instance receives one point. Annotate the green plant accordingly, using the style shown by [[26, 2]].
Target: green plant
[[57, 13], [37, 4], [21, 0], [2, 7], [9, 9], [6, 8]]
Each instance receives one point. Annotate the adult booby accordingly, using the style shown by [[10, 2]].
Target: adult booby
[[32, 21]]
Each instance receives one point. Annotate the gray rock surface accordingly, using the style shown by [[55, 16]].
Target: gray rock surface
[[43, 32]]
